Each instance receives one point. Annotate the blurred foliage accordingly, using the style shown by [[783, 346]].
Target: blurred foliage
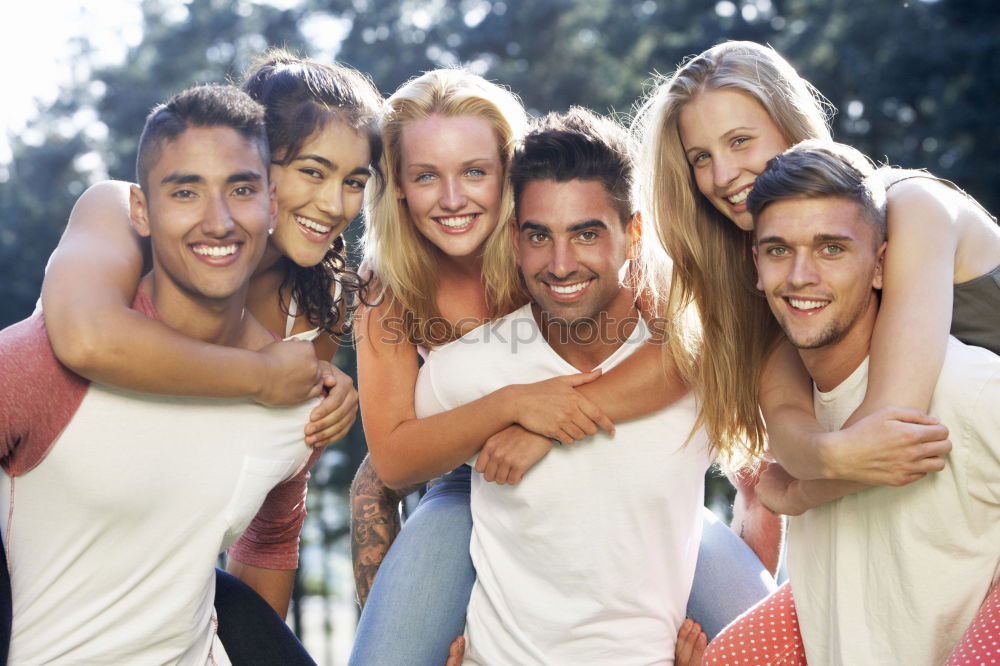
[[916, 83]]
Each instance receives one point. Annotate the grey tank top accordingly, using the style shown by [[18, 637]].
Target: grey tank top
[[975, 315]]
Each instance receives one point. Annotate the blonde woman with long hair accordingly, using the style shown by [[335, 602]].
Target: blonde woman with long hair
[[707, 132], [439, 245]]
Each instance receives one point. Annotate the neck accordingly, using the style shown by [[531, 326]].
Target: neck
[[587, 344], [216, 321], [833, 363]]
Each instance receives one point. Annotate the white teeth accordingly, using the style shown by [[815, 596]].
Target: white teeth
[[315, 226], [800, 304], [568, 288], [739, 197], [214, 250], [456, 222]]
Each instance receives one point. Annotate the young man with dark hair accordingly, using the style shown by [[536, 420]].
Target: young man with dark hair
[[888, 574], [589, 558], [116, 505]]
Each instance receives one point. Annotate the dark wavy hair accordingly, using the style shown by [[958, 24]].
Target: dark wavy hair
[[300, 97]]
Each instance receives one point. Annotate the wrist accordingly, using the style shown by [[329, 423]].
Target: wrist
[[829, 463]]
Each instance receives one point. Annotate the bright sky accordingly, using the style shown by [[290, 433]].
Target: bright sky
[[36, 48]]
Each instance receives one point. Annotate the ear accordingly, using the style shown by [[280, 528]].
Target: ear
[[138, 209], [634, 232], [753, 248], [879, 266]]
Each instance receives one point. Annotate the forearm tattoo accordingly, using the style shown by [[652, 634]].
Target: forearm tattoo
[[374, 525]]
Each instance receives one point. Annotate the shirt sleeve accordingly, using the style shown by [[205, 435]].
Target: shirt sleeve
[[38, 395], [271, 541]]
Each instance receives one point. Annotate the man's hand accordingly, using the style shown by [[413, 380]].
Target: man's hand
[[456, 652], [292, 374], [553, 409], [334, 416], [507, 455], [890, 447], [773, 490]]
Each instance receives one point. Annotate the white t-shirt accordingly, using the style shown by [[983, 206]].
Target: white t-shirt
[[589, 560], [895, 575], [112, 538]]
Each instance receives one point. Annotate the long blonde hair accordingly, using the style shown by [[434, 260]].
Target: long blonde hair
[[714, 274], [403, 261]]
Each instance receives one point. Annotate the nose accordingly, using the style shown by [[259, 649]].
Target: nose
[[218, 220], [563, 262], [331, 200], [452, 194], [803, 270], [724, 171]]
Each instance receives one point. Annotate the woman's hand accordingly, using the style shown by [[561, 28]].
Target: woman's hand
[[334, 416], [892, 446], [507, 455], [292, 374], [552, 408]]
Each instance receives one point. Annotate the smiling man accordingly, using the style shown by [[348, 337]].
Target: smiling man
[[116, 505], [590, 558], [888, 574]]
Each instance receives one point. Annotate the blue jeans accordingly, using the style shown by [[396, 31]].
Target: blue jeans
[[417, 603], [728, 579], [416, 607], [252, 633]]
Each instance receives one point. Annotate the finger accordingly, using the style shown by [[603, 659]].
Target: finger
[[932, 449], [456, 652], [581, 378], [346, 411], [575, 433], [911, 415], [597, 415], [490, 472]]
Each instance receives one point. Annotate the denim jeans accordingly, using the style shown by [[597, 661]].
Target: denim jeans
[[417, 603], [416, 607], [252, 633]]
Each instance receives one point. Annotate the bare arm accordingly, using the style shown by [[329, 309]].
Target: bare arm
[[374, 525], [759, 527], [274, 585], [86, 297], [880, 444], [406, 450], [644, 383]]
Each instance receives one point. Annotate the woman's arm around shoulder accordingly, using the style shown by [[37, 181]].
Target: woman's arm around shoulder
[[87, 296]]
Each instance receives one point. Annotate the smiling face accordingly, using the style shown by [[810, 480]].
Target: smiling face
[[450, 176], [728, 137], [320, 191], [819, 266], [571, 243], [207, 209]]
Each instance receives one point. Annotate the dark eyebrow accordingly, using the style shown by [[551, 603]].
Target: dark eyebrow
[[361, 171], [244, 176], [818, 238], [532, 226], [181, 179], [189, 178], [315, 158], [589, 224]]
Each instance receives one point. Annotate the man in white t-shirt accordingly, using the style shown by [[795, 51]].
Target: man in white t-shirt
[[115, 505], [888, 574], [590, 558]]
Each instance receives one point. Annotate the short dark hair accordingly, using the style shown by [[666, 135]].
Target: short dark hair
[[819, 168], [577, 145], [201, 106]]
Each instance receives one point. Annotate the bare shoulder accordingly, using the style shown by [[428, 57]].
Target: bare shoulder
[[106, 193]]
